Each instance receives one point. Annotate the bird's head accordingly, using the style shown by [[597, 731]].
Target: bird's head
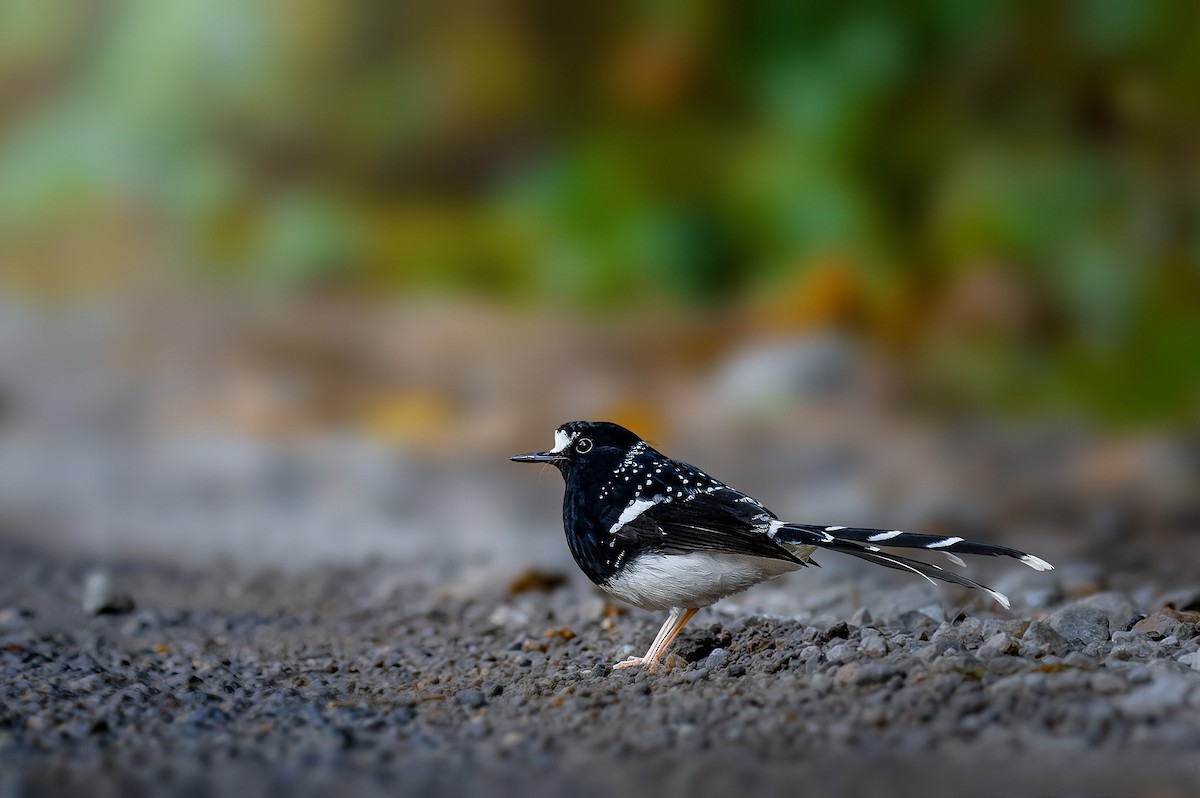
[[582, 443]]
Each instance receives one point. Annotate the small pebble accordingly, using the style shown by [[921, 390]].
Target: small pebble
[[472, 699]]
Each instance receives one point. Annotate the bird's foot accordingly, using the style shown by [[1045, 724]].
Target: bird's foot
[[633, 662]]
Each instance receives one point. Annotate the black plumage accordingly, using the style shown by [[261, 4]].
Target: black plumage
[[662, 534]]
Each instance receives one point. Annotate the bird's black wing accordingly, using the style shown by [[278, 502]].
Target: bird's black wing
[[720, 520]]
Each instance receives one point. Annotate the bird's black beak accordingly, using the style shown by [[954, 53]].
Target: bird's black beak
[[536, 457]]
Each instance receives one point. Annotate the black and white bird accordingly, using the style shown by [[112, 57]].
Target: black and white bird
[[661, 534]]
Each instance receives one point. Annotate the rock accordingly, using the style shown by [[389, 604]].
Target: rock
[[716, 658], [913, 620], [507, 616], [100, 597], [1138, 649], [591, 610], [1041, 639], [846, 674], [1005, 665], [1067, 681], [702, 642], [971, 630], [471, 699], [876, 672], [1082, 623], [1117, 606], [1106, 682], [1080, 661], [11, 618], [997, 645], [861, 617], [839, 629], [873, 645], [1163, 694], [947, 636], [842, 652], [1185, 599], [1191, 660], [1159, 625], [934, 612]]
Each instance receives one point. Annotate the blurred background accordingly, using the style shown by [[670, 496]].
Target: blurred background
[[283, 284]]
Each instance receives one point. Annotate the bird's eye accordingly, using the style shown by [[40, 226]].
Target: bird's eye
[[583, 445]]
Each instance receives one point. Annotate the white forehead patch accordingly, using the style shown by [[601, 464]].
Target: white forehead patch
[[562, 440]]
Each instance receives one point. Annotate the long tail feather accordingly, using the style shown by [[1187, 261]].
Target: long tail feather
[[860, 543], [927, 570], [896, 539]]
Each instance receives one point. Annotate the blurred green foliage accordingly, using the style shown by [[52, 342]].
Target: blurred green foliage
[[1012, 187]]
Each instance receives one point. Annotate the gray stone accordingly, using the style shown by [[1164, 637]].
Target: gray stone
[[507, 616], [1191, 660], [1079, 622], [1077, 659], [934, 611], [1105, 682], [842, 652], [1184, 599], [873, 645], [1119, 608], [1041, 639], [472, 699], [101, 598], [1161, 624], [1163, 694], [1067, 681], [716, 658], [11, 618], [913, 620], [947, 636], [997, 645], [846, 674], [971, 629], [861, 617]]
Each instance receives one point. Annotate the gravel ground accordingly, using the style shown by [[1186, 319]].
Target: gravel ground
[[356, 680]]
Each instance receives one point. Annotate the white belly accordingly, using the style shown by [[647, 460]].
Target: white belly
[[696, 579]]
